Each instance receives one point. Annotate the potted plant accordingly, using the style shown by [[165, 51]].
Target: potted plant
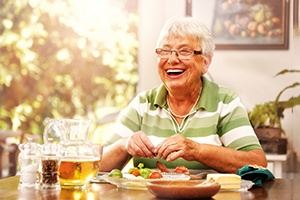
[[265, 120], [269, 114], [266, 117]]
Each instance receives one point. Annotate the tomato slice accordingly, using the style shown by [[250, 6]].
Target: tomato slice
[[182, 170], [155, 175]]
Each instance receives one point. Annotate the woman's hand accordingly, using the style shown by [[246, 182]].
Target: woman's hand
[[139, 145], [175, 147]]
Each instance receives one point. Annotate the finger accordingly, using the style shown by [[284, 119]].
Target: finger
[[132, 146], [161, 146], [166, 141], [147, 142], [175, 155], [166, 149], [146, 146], [137, 147]]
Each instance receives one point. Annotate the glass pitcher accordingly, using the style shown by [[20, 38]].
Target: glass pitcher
[[80, 159]]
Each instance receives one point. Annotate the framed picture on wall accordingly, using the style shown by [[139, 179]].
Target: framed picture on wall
[[251, 24], [296, 14]]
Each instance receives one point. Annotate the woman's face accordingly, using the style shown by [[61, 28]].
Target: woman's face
[[178, 73]]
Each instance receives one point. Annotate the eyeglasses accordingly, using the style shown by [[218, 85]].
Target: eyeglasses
[[183, 54]]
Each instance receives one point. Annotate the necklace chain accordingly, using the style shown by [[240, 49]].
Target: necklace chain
[[183, 116]]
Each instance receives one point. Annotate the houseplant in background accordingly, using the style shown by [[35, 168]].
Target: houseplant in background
[[266, 117]]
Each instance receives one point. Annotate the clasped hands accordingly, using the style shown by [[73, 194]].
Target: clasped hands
[[170, 149]]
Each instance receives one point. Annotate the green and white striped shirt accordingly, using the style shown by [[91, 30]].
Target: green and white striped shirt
[[219, 118]]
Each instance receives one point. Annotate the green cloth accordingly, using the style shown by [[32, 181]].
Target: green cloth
[[256, 174]]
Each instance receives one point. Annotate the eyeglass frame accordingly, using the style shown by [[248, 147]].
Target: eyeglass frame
[[193, 52]]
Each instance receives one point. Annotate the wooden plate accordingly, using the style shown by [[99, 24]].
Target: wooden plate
[[183, 189]]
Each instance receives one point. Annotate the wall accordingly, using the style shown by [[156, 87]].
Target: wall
[[250, 73]]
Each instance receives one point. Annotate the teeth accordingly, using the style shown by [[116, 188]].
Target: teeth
[[174, 71]]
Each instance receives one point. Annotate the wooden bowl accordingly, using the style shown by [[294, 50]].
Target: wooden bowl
[[179, 189]]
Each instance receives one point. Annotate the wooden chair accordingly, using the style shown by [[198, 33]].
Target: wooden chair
[[9, 150], [13, 152]]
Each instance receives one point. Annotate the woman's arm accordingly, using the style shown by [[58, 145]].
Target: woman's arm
[[114, 156], [219, 158], [228, 160]]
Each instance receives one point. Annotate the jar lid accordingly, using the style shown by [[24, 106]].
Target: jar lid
[[30, 147], [50, 148]]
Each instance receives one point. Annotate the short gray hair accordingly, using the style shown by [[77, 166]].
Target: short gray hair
[[182, 26]]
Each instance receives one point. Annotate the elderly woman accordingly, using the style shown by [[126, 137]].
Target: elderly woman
[[187, 120]]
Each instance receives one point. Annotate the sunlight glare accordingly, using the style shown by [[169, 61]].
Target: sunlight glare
[[96, 16]]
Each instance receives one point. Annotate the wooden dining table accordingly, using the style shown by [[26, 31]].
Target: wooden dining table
[[278, 189]]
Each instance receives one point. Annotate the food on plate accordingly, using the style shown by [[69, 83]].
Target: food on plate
[[140, 171], [179, 169], [227, 181], [131, 180], [155, 175], [135, 171], [162, 167], [182, 169], [116, 173], [145, 172]]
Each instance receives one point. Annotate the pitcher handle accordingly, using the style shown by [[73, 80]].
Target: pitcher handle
[[47, 127]]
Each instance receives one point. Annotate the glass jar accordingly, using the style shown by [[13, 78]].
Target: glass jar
[[80, 159], [49, 166], [29, 160]]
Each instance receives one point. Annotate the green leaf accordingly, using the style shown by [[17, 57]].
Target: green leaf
[[287, 71]]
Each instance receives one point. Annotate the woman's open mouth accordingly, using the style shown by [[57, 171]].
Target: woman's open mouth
[[175, 71]]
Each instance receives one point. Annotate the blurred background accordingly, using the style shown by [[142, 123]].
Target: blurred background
[[65, 59]]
